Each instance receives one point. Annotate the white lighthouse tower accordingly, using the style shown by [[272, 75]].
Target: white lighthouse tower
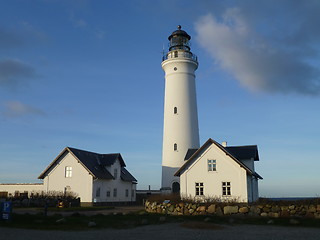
[[181, 131]]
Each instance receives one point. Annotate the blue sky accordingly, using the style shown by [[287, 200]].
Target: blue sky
[[87, 74]]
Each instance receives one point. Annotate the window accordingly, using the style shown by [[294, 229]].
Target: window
[[212, 166], [226, 189], [68, 172], [98, 192], [115, 173], [175, 110], [175, 54], [199, 189], [108, 193], [114, 192], [175, 147], [127, 192]]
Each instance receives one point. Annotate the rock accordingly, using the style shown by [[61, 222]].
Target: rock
[[312, 209], [171, 208], [191, 211], [61, 220], [227, 210], [219, 211], [201, 209], [194, 206], [264, 214], [285, 213], [266, 209], [181, 204], [273, 214], [275, 209], [243, 210], [292, 207], [294, 221], [92, 224], [292, 212], [211, 208], [255, 210], [284, 208]]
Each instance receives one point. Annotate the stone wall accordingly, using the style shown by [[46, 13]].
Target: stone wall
[[263, 210]]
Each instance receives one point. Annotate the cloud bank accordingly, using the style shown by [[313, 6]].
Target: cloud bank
[[265, 55]]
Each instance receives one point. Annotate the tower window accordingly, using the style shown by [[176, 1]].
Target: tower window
[[175, 54], [175, 147], [175, 110]]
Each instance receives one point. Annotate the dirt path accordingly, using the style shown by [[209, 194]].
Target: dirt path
[[170, 231]]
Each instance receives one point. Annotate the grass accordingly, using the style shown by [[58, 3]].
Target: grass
[[79, 222]]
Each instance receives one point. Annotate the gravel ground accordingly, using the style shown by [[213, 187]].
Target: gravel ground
[[174, 231]]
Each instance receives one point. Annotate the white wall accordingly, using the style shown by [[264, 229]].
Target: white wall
[[80, 182], [22, 188], [110, 185], [227, 171], [180, 128]]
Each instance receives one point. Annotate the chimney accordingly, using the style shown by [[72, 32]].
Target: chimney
[[224, 144]]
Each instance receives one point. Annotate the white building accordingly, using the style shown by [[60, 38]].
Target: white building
[[216, 171], [91, 176], [210, 170]]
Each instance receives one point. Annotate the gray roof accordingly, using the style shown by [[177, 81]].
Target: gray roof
[[95, 163], [244, 152], [236, 153], [190, 152]]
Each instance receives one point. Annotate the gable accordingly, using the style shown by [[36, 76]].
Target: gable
[[95, 163], [219, 148]]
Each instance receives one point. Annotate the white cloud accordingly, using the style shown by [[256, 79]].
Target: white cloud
[[260, 62], [15, 109]]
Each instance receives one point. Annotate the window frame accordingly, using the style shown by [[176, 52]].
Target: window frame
[[226, 189], [212, 165], [68, 172], [199, 189]]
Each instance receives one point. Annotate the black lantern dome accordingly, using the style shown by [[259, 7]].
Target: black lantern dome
[[179, 39]]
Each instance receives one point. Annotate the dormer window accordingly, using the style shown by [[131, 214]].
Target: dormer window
[[115, 173]]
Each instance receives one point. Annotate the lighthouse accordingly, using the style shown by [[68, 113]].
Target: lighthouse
[[180, 128]]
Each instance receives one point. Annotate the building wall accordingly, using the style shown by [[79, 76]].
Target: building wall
[[180, 128], [80, 182], [18, 188], [101, 188], [227, 171]]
